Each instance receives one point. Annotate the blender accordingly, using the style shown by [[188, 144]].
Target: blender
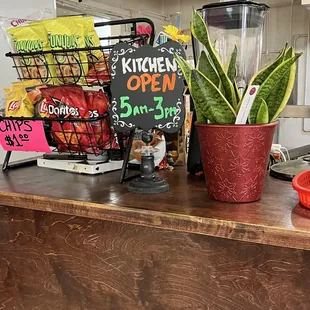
[[240, 24], [230, 24]]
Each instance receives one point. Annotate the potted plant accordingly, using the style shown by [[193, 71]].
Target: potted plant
[[235, 157]]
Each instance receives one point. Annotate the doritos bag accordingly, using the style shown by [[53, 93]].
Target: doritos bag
[[98, 104], [91, 40], [33, 38], [68, 102], [68, 33]]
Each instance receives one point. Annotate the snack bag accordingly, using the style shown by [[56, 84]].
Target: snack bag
[[68, 33], [91, 40], [98, 104], [69, 102], [7, 23], [17, 101], [36, 98], [34, 93], [26, 83], [100, 72], [33, 38]]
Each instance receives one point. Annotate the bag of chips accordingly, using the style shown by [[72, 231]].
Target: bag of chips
[[7, 23], [98, 104], [17, 100], [91, 40], [68, 33], [34, 93], [33, 38], [37, 99], [26, 83], [68, 102], [100, 72]]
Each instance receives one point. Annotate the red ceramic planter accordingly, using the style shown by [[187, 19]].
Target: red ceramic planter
[[235, 159]]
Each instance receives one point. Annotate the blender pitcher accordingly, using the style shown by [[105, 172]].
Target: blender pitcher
[[230, 24], [237, 23]]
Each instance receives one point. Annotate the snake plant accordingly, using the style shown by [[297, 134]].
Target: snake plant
[[213, 87]]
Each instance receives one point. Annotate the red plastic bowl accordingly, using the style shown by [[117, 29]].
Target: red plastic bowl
[[301, 183]]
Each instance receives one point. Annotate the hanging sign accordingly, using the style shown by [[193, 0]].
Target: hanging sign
[[23, 135], [147, 87]]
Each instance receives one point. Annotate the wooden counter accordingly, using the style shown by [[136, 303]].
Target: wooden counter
[[70, 241]]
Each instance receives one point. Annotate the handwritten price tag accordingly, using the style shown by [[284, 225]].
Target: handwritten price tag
[[23, 136]]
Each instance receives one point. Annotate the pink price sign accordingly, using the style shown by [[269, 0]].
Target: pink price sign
[[23, 136]]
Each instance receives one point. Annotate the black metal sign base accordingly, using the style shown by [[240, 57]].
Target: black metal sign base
[[141, 186], [148, 183]]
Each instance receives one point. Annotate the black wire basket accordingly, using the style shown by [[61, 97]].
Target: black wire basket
[[83, 67], [84, 136], [78, 136]]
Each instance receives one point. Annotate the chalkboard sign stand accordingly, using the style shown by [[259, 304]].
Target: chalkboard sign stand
[[147, 92], [123, 176], [148, 183]]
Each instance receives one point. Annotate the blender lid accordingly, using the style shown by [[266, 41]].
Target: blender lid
[[263, 6], [230, 14]]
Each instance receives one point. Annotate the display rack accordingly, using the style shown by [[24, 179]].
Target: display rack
[[73, 68]]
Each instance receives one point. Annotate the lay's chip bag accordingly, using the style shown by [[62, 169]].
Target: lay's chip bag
[[17, 100], [91, 40], [33, 38], [26, 83], [67, 33]]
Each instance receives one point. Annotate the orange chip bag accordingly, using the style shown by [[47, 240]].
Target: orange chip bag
[[37, 99], [100, 72], [68, 102], [98, 104]]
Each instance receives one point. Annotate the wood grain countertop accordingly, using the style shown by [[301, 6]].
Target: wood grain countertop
[[277, 219]]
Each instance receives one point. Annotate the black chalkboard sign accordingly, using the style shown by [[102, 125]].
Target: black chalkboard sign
[[147, 87]]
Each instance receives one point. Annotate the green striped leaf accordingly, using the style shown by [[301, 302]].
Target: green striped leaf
[[284, 50], [186, 69], [280, 95], [238, 95], [271, 82], [205, 66], [262, 115], [260, 77], [200, 32], [210, 100], [232, 65], [201, 119]]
